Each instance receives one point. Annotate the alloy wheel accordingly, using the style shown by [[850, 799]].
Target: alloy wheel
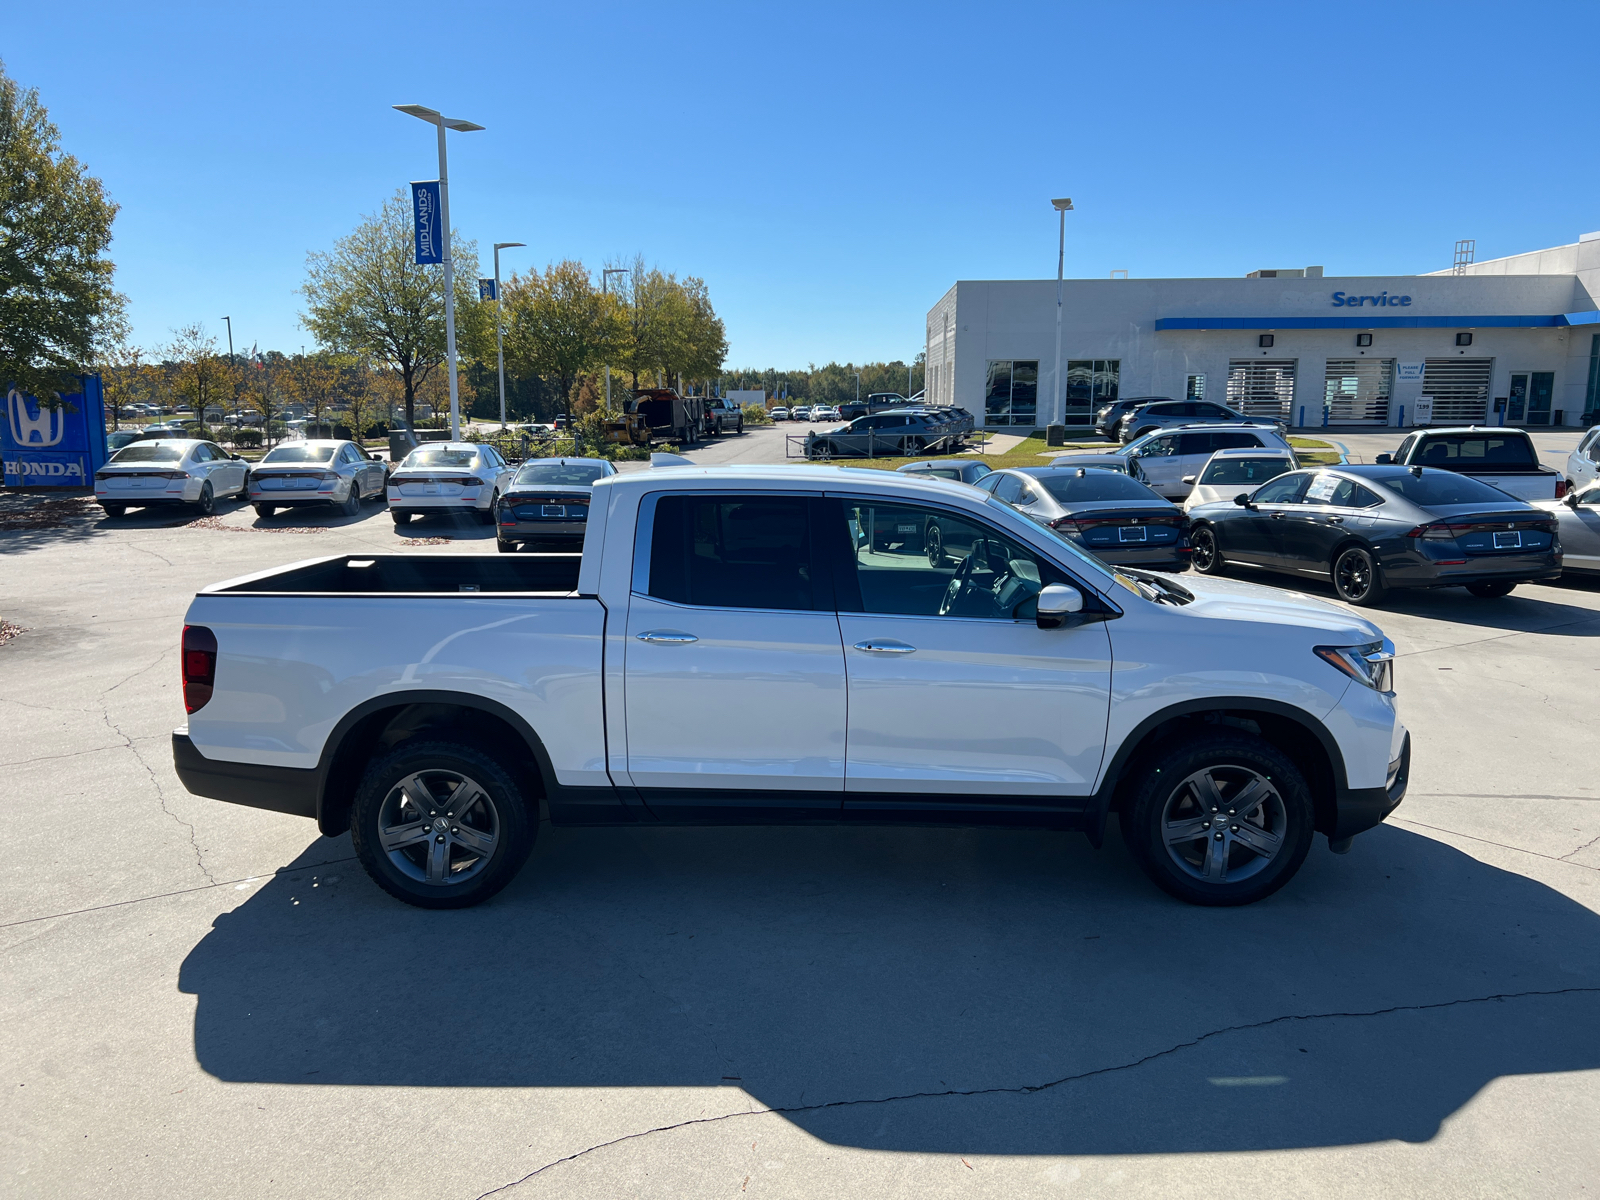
[[438, 827], [1224, 824]]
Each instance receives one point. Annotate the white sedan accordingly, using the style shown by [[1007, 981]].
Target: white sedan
[[149, 474], [301, 474], [449, 477], [1229, 472]]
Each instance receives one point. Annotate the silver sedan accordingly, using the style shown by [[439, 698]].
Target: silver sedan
[[303, 474], [1578, 527]]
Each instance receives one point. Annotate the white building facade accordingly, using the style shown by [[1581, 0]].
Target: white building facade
[[1511, 341]]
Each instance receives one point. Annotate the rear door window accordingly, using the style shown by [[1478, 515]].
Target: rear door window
[[734, 552], [1009, 488], [1286, 489]]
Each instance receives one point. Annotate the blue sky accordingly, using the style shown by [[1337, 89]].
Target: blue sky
[[828, 169]]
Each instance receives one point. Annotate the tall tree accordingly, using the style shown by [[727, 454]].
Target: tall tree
[[368, 296], [558, 324], [56, 296], [203, 376]]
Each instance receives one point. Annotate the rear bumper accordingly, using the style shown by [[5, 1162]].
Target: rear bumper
[[288, 790], [563, 533]]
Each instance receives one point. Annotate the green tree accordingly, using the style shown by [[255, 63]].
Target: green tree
[[202, 376], [57, 302], [557, 324], [367, 296]]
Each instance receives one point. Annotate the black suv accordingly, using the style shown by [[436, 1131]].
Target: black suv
[[1108, 417]]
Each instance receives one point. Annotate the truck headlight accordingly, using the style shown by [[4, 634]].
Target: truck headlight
[[1371, 663]]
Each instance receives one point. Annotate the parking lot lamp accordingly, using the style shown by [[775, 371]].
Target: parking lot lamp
[[231, 384], [441, 123], [499, 347], [1058, 395], [605, 278], [858, 387]]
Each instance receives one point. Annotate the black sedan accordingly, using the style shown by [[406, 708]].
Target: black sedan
[[1372, 528], [1117, 519], [962, 470], [547, 506]]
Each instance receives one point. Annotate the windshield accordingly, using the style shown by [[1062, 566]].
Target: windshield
[[147, 452], [556, 473], [1444, 488], [438, 456], [299, 454], [1245, 470], [1068, 487]]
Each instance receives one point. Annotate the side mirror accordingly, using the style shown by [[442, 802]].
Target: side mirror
[[1242, 499], [1571, 500], [1057, 602], [1189, 479], [237, 457], [1384, 459]]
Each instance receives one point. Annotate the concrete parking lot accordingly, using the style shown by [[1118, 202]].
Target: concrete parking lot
[[204, 1000]]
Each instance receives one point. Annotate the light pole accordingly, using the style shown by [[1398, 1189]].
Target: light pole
[[858, 386], [229, 322], [499, 347], [441, 123], [1058, 396], [605, 278]]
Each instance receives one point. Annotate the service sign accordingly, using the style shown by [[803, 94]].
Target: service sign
[[425, 207], [57, 445]]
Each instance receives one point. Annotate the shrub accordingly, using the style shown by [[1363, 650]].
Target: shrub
[[757, 414], [247, 437]]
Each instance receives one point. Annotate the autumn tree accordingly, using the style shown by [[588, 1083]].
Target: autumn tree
[[558, 325], [57, 302], [201, 375], [367, 296]]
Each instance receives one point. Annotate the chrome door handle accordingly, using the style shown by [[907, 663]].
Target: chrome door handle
[[1278, 516], [670, 639], [1335, 520], [885, 647]]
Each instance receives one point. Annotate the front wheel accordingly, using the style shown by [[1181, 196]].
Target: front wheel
[[1356, 579], [1206, 557], [934, 543], [441, 824], [1221, 819], [1490, 591]]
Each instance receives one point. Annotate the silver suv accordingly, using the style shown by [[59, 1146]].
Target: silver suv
[[1170, 414]]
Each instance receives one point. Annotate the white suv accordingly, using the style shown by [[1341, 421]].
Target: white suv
[[1164, 460], [1583, 464]]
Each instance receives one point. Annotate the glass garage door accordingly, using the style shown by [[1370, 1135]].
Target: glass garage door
[[1356, 391], [1459, 387], [1261, 387]]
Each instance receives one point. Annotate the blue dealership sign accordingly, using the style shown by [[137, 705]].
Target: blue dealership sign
[[426, 207], [487, 290], [60, 446]]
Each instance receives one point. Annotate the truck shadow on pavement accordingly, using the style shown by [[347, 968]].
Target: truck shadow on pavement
[[923, 990]]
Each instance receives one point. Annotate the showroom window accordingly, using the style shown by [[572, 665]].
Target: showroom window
[[1011, 396], [1091, 382]]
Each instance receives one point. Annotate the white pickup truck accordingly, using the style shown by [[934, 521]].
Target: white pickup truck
[[1502, 458], [902, 649]]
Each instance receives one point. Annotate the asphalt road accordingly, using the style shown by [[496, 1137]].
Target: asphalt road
[[202, 1000]]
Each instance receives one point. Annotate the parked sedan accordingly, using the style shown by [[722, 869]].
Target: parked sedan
[[779, 414], [1369, 529], [1117, 519], [1162, 460], [890, 433], [148, 474], [1583, 464], [1578, 527], [962, 470], [449, 477], [547, 504], [311, 473], [1105, 462], [1229, 472]]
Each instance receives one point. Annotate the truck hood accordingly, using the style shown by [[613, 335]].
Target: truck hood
[[1235, 600]]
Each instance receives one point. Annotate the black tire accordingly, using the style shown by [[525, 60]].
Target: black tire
[[739, 428], [1207, 558], [351, 505], [265, 510], [933, 543], [1356, 577], [400, 515], [207, 504], [505, 547], [820, 450], [491, 515], [1490, 591], [500, 816], [115, 510], [1165, 801]]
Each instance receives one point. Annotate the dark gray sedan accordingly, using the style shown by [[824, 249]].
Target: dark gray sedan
[[962, 470], [1117, 519], [547, 504], [1368, 529]]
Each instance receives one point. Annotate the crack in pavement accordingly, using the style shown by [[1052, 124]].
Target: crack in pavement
[[1494, 796], [155, 781], [204, 887], [1579, 850], [23, 762], [1492, 842], [1030, 1089]]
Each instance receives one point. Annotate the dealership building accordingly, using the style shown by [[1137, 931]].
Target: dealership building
[[1509, 341]]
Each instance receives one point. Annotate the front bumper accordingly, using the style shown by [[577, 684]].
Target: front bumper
[[1360, 809]]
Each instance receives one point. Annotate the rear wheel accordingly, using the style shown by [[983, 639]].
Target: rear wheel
[[933, 540], [401, 517], [115, 510], [352, 503], [504, 546], [1490, 591], [265, 510], [1356, 578], [1206, 558], [1219, 819], [207, 504], [491, 515], [441, 824]]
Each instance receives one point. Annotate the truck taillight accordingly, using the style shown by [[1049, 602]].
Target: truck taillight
[[199, 666], [1561, 488]]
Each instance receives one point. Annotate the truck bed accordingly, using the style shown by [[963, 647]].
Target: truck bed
[[416, 574]]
